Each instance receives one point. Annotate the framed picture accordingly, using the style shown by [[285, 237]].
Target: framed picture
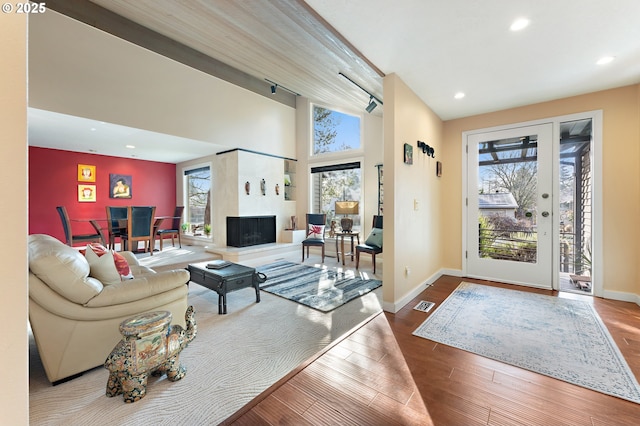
[[87, 193], [438, 168], [408, 154], [120, 186], [86, 173]]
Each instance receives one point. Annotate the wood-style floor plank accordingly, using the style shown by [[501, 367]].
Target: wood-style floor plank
[[383, 375]]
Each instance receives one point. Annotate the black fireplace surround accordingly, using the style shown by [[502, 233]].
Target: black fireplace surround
[[247, 231]]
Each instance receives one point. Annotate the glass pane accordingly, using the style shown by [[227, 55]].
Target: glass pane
[[507, 188], [198, 191], [575, 205], [334, 131], [339, 185]]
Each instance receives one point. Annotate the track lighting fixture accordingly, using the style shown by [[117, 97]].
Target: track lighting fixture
[[275, 86], [372, 104]]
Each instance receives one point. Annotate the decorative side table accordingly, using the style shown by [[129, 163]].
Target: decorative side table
[[340, 236], [149, 346]]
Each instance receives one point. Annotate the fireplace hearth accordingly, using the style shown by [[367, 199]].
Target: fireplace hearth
[[245, 231]]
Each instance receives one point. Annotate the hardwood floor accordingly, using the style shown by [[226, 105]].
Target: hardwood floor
[[383, 375]]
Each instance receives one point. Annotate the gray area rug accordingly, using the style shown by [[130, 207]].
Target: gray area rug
[[561, 338], [319, 288]]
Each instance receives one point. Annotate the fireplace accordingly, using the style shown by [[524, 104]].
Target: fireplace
[[247, 231]]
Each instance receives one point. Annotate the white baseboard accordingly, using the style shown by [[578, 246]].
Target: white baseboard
[[399, 304], [622, 296]]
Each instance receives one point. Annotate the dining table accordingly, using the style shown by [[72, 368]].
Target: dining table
[[122, 224]]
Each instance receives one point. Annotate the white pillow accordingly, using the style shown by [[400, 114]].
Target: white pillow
[[102, 267], [316, 231]]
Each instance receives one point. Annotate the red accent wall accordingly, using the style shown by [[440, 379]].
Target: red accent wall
[[53, 181]]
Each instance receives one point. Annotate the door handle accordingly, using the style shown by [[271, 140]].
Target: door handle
[[545, 214]]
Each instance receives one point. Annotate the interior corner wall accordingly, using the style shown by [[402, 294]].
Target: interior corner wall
[[413, 237], [14, 404], [620, 177], [53, 181]]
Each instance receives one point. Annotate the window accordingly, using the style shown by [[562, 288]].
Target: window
[[334, 131], [197, 192], [339, 182]]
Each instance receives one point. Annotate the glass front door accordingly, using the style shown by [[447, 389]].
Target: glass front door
[[510, 202]]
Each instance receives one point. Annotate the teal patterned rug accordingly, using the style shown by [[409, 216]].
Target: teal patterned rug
[[561, 338], [319, 288]]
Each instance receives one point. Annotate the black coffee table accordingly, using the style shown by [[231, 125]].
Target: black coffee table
[[223, 280]]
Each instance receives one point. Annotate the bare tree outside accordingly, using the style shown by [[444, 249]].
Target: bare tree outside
[[518, 178], [199, 199], [335, 132]]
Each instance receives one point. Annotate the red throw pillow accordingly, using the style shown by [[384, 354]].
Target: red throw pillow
[[121, 263]]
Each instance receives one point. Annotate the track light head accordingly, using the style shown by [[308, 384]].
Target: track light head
[[372, 105], [273, 89]]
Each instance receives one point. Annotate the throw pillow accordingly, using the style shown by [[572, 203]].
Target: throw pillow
[[316, 231], [121, 263], [374, 238], [103, 267]]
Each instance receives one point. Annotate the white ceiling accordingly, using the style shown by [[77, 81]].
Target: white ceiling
[[438, 48]]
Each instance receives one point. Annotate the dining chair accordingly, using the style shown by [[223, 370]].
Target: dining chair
[[174, 230], [373, 243], [315, 233], [115, 216], [76, 238], [140, 220]]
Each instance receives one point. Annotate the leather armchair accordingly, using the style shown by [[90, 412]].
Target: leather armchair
[[75, 318]]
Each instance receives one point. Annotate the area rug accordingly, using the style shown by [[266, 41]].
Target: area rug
[[323, 289], [561, 338]]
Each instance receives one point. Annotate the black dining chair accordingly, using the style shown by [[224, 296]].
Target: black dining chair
[[369, 246], [140, 221], [174, 230], [72, 238], [316, 224], [115, 228]]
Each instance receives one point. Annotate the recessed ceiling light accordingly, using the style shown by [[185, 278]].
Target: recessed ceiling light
[[605, 60], [459, 95], [93, 129], [519, 24], [130, 146]]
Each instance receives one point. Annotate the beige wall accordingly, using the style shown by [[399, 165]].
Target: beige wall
[[413, 237], [621, 177], [14, 404]]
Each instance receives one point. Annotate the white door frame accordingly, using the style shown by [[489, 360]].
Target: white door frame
[[596, 161]]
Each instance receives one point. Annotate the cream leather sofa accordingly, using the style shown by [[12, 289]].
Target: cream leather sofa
[[75, 318]]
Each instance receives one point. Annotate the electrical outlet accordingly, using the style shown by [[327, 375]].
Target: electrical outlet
[[416, 205]]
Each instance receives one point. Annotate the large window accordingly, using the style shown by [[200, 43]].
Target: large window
[[334, 131], [197, 190], [339, 182]]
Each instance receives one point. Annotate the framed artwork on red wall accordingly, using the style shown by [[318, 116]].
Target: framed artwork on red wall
[[87, 193], [120, 186], [86, 173]]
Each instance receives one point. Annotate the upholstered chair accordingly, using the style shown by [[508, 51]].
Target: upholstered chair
[[373, 243], [315, 233]]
